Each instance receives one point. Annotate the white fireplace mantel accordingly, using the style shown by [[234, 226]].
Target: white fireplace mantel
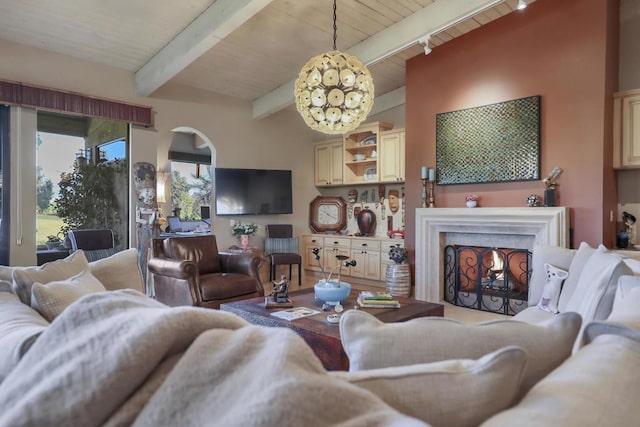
[[491, 226]]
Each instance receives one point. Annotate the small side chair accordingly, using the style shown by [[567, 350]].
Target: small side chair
[[97, 243], [282, 249]]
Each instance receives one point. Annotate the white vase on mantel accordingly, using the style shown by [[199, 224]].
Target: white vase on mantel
[[472, 203]]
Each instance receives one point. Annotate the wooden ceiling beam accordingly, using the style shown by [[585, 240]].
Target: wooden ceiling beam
[[208, 29], [433, 18]]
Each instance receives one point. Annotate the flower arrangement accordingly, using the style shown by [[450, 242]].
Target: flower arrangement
[[53, 239], [343, 262], [471, 198], [240, 229], [398, 254]]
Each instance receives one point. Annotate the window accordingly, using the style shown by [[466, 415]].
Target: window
[[56, 154], [190, 188], [82, 174], [114, 150]]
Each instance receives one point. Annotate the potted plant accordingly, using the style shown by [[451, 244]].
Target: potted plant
[[398, 275], [244, 231], [472, 200], [53, 242]]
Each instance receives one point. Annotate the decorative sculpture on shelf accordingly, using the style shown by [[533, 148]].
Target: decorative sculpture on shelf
[[533, 201], [550, 187], [279, 294]]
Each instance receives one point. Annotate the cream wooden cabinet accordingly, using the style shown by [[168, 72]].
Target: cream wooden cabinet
[[309, 242], [626, 130], [391, 156], [371, 154], [329, 163], [334, 246], [361, 153], [366, 253], [370, 253]]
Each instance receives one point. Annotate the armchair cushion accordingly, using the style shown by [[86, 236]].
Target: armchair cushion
[[217, 286], [202, 250]]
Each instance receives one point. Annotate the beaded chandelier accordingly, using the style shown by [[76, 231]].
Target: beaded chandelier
[[334, 90]]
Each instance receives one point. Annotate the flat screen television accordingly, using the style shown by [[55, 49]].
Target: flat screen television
[[253, 191]]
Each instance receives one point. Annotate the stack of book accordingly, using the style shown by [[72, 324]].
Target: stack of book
[[368, 299]]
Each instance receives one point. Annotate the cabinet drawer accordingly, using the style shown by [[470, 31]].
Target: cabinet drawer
[[337, 242], [373, 245], [312, 241]]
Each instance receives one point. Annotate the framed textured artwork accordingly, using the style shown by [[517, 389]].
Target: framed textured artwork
[[492, 143]]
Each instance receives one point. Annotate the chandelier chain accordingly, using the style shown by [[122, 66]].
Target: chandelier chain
[[335, 27]]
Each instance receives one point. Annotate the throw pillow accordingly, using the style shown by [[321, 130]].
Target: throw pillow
[[551, 293], [595, 291], [24, 278], [624, 319], [20, 326], [119, 271], [626, 300], [630, 330], [541, 255], [449, 393], [578, 263], [634, 265], [50, 299], [371, 344], [6, 273], [597, 386]]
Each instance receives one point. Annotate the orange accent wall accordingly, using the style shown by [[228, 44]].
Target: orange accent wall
[[563, 50]]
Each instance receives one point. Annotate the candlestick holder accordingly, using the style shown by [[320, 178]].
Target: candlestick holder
[[424, 192], [431, 194]]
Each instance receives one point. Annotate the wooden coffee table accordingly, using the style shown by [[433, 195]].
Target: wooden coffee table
[[324, 337]]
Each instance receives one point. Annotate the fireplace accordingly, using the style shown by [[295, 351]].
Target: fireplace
[[519, 228], [487, 279]]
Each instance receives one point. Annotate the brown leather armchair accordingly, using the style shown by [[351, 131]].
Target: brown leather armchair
[[191, 271]]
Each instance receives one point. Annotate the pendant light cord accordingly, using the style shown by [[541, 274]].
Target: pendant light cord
[[335, 27]]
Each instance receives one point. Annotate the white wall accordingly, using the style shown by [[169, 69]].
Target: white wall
[[281, 141]]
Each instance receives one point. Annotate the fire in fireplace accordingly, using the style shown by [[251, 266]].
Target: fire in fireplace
[[488, 279]]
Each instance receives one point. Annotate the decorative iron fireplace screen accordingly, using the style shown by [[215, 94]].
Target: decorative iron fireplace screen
[[488, 279]]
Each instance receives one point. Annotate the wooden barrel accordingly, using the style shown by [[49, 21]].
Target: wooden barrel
[[398, 280]]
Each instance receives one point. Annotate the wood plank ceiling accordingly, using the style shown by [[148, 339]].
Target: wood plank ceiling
[[243, 48]]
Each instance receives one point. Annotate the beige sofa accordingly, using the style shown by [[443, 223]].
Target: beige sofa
[[118, 357]]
